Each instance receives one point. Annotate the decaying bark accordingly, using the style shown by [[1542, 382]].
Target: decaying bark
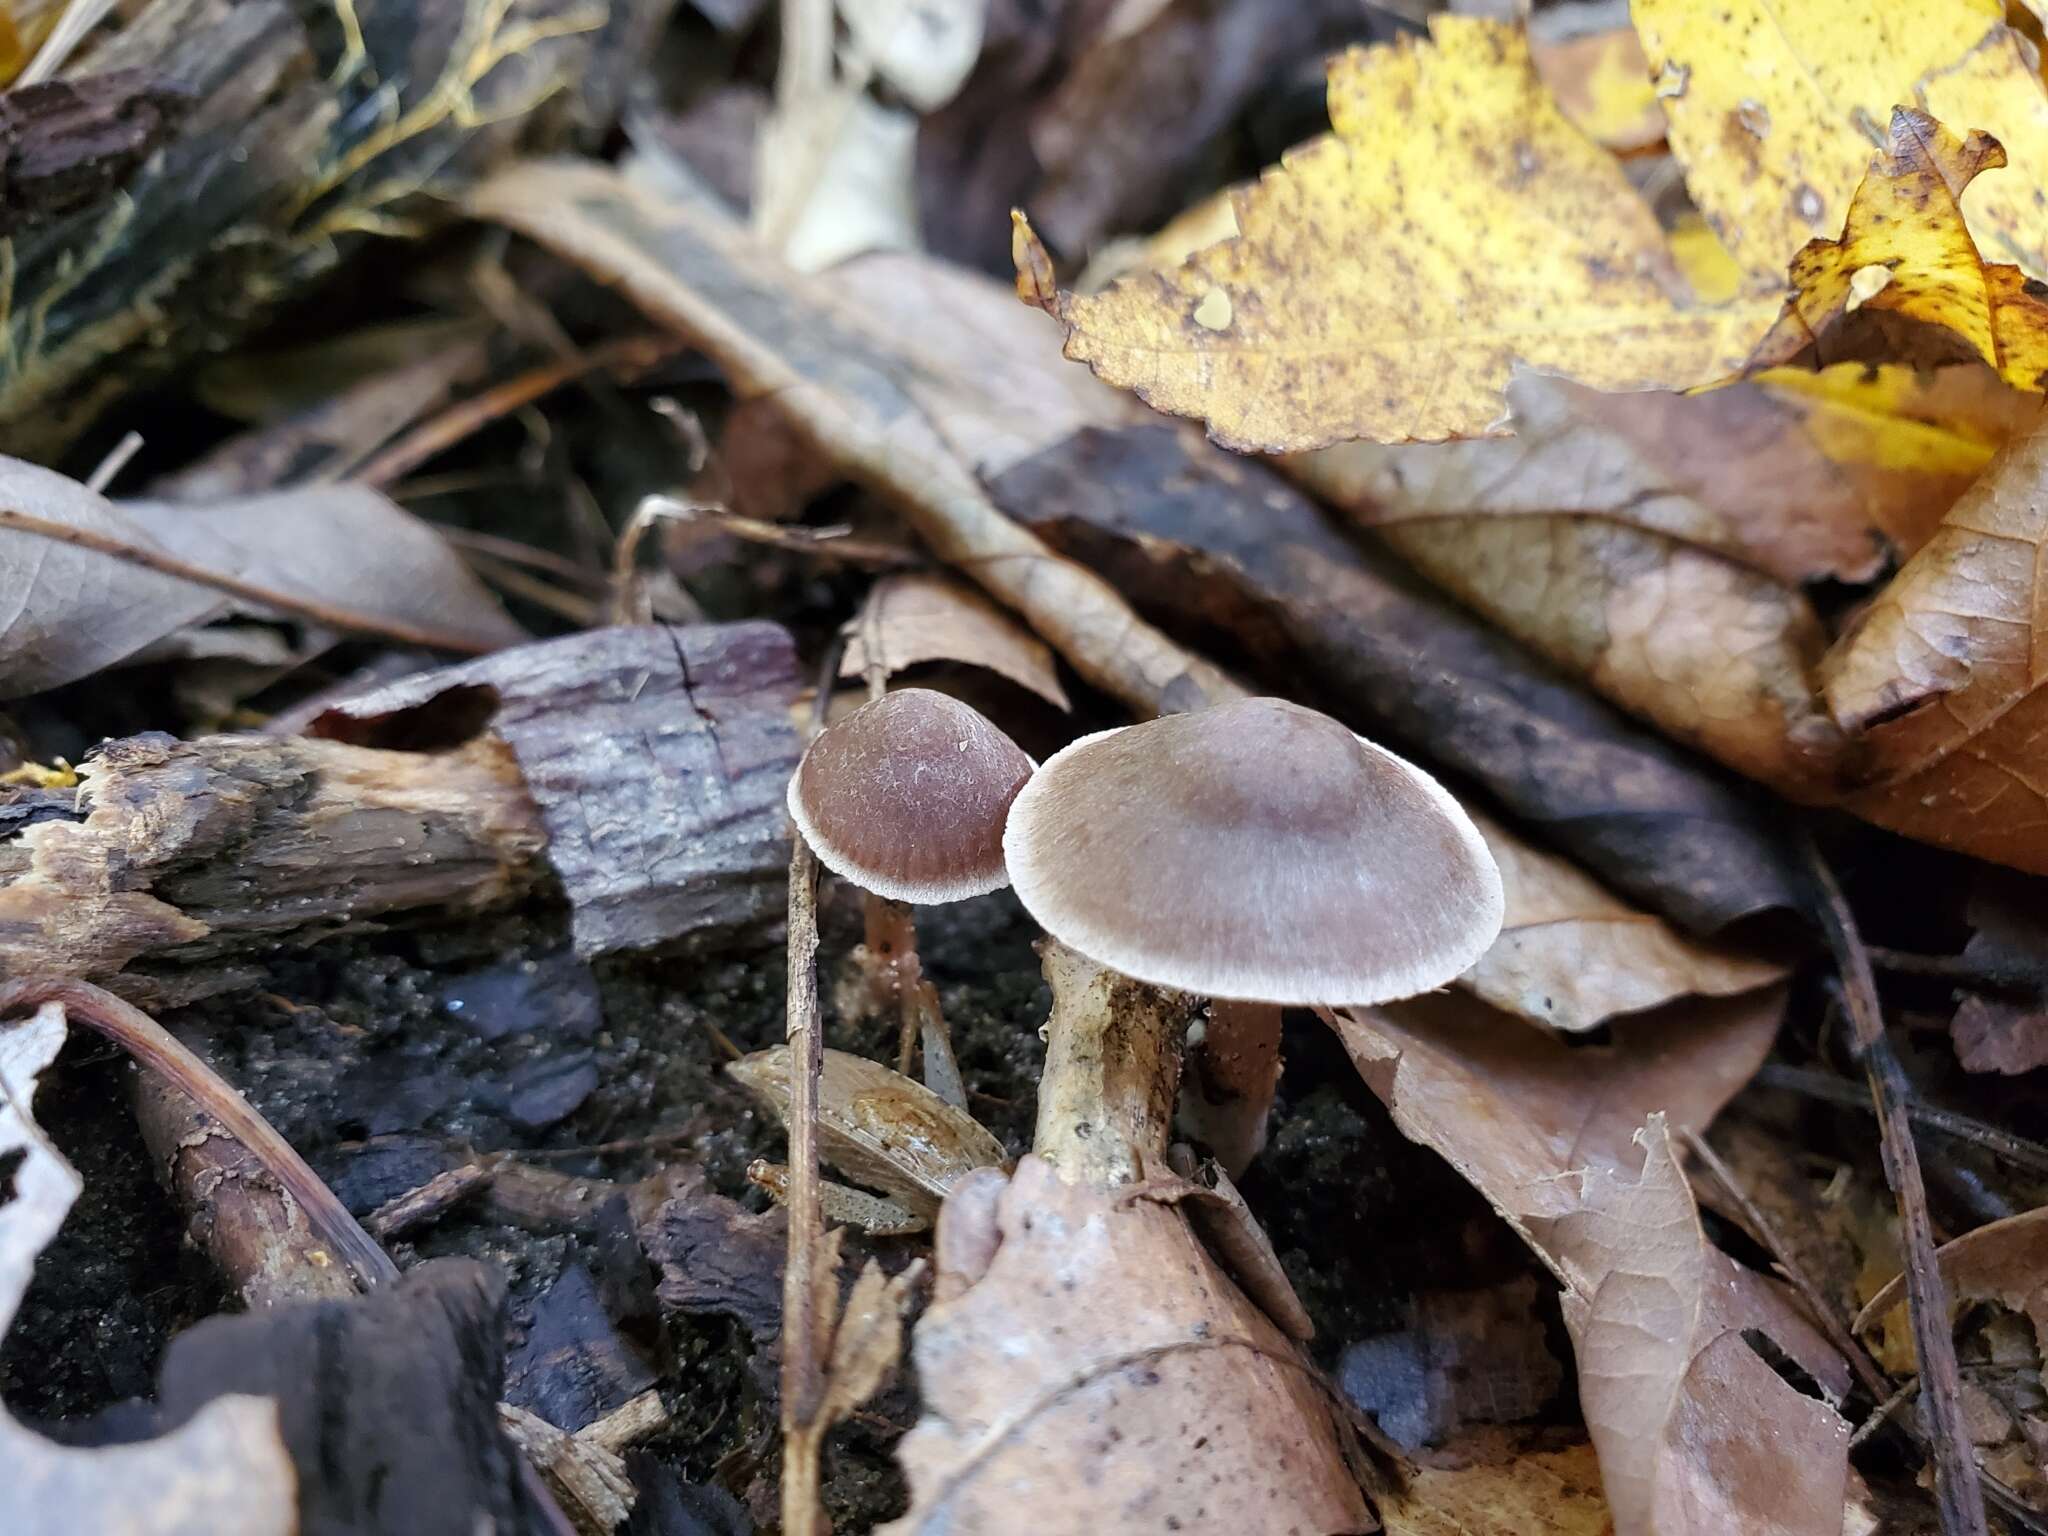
[[640, 768], [186, 853], [658, 756], [255, 1233], [301, 127]]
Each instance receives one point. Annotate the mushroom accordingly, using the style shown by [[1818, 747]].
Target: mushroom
[[906, 798], [1258, 854]]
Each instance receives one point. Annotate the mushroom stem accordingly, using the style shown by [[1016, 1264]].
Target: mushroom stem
[[1112, 1066], [888, 934], [893, 977], [1233, 1074]]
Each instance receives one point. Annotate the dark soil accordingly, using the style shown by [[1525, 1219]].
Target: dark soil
[[385, 1058]]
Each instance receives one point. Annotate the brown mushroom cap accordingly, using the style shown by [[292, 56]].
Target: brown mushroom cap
[[907, 795], [1259, 851]]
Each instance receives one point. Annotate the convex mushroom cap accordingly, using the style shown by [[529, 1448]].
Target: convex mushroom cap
[[907, 795], [1256, 851]]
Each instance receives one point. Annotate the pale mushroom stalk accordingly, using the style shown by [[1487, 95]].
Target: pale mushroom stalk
[[1112, 1067], [906, 797]]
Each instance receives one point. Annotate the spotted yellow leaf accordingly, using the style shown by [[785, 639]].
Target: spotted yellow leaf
[[1905, 282], [1388, 276], [1773, 108]]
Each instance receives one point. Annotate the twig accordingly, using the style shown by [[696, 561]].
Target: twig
[[518, 552], [1957, 1497], [803, 1370], [155, 1048], [1963, 970], [329, 615], [1825, 1085], [116, 460], [1874, 1380], [79, 18], [832, 542], [438, 433]]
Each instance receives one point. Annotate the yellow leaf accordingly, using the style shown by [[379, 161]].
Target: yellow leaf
[[1907, 441], [1943, 685], [1391, 273], [1905, 282], [1773, 107], [1704, 260], [1602, 83]]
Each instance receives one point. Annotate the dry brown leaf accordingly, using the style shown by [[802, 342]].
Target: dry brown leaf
[[1390, 274], [1572, 541], [686, 264], [1905, 283], [925, 616], [1940, 686], [1808, 469], [1548, 1134], [224, 1472], [1515, 1110], [1572, 955], [1697, 1435], [75, 611], [1086, 1366], [2005, 1262]]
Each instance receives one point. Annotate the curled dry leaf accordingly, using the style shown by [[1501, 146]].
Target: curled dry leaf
[[879, 1127], [1941, 686], [1696, 1432], [78, 610], [1570, 539], [924, 616], [1084, 1344], [1810, 468], [1516, 1111], [2005, 1262], [1905, 282], [1772, 110], [1682, 1410], [224, 1472], [1354, 304], [1572, 955], [776, 335]]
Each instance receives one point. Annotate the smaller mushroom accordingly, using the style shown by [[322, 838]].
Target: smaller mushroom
[[1258, 854], [906, 798]]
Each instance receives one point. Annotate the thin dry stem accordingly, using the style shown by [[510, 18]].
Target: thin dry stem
[[329, 615], [803, 1364], [628, 355], [157, 1050], [1958, 1499]]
